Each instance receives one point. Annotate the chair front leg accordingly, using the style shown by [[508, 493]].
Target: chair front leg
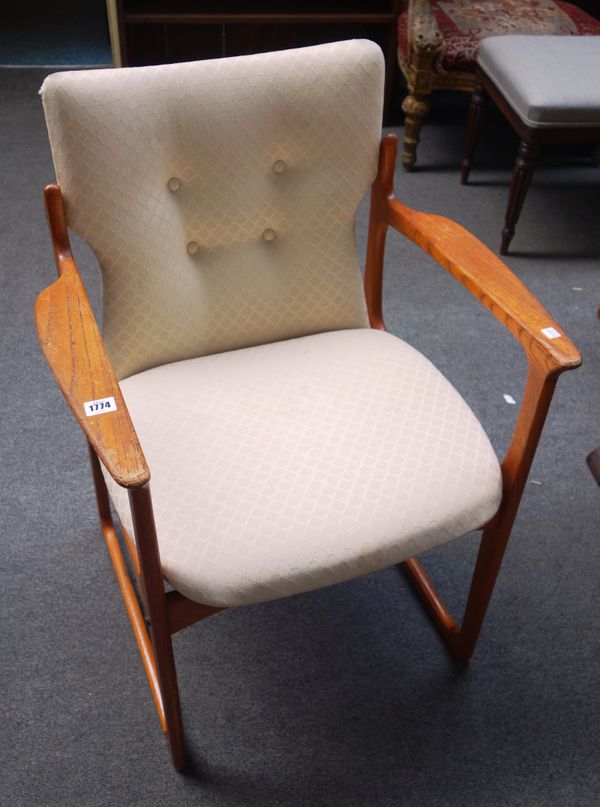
[[461, 639], [478, 99], [151, 580]]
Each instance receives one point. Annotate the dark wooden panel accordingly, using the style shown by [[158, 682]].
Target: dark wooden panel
[[156, 31], [233, 7], [245, 39], [144, 44], [186, 43]]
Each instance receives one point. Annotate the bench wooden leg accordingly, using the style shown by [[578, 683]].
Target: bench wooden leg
[[478, 99], [521, 179]]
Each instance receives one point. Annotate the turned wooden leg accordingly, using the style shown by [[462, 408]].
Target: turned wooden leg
[[462, 638], [475, 119], [416, 108], [522, 173]]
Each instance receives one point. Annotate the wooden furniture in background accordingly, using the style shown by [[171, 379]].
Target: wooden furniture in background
[[557, 122], [438, 44], [159, 31]]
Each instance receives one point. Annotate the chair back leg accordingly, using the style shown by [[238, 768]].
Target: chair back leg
[[474, 122], [521, 179]]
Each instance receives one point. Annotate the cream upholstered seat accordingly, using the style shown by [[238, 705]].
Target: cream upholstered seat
[[290, 466], [290, 441]]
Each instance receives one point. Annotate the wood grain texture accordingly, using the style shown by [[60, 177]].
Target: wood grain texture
[[75, 351], [136, 617], [486, 276]]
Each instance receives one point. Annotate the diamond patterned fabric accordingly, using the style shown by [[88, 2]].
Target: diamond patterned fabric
[[219, 196], [464, 23], [294, 465]]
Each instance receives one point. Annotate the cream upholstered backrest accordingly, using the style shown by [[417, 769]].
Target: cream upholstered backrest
[[219, 196]]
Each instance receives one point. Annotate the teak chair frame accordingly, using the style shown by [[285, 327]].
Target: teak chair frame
[[77, 356]]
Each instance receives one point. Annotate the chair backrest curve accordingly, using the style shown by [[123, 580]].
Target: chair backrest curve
[[219, 196]]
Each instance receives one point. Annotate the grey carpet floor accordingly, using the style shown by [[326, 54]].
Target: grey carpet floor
[[345, 696]]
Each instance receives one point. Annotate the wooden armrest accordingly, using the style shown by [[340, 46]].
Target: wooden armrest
[[75, 351], [470, 262], [491, 282]]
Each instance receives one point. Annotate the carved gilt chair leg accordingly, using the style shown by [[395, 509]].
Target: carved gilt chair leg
[[478, 99], [521, 179], [416, 108], [426, 46]]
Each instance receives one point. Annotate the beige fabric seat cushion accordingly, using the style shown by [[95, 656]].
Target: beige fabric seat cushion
[[293, 465]]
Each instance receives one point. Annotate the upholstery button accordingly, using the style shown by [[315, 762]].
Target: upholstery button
[[269, 235], [279, 166], [174, 184], [193, 247]]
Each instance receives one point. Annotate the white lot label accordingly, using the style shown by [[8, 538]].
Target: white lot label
[[100, 406], [551, 333]]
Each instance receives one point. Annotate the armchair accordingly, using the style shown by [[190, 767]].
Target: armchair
[[293, 443], [438, 42]]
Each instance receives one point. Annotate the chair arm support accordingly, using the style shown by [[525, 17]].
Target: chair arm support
[[491, 282], [593, 461], [73, 346]]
